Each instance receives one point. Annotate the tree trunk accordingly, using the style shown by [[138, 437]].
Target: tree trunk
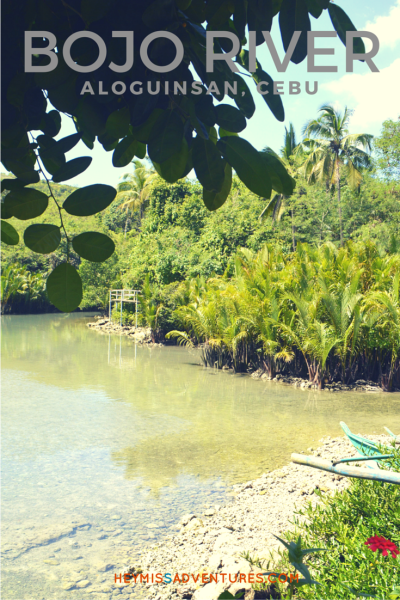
[[270, 366], [338, 197], [293, 232], [318, 378]]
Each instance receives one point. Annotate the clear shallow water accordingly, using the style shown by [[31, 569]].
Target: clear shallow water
[[101, 438]]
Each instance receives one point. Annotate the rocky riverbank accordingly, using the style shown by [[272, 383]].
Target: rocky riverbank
[[142, 335], [359, 386], [213, 541]]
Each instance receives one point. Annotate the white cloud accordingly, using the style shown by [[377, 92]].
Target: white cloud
[[373, 96], [387, 28]]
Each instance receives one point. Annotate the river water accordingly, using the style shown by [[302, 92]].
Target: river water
[[106, 444]]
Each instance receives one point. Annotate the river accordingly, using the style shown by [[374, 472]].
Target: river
[[106, 444]]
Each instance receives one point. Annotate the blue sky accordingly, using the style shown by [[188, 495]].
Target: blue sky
[[373, 96]]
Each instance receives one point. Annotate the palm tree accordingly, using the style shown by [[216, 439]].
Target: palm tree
[[332, 150], [12, 280], [18, 280], [384, 306], [135, 189], [276, 207]]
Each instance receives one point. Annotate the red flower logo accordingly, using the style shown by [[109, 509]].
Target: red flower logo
[[380, 543]]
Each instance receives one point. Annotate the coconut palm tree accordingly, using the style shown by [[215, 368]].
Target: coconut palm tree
[[333, 151], [134, 189]]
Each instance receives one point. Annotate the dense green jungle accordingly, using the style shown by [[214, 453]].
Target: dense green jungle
[[306, 284]]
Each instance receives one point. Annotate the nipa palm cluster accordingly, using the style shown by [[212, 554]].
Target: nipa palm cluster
[[327, 313]]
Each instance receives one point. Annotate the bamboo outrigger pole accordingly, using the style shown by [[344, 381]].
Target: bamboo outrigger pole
[[347, 470]]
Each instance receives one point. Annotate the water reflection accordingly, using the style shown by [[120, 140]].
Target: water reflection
[[104, 437]]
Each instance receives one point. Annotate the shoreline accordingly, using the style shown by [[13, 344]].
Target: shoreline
[[212, 541], [142, 335]]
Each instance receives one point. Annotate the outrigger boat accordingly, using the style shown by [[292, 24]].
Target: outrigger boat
[[396, 437], [367, 450]]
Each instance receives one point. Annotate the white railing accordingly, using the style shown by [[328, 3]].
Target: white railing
[[121, 296]]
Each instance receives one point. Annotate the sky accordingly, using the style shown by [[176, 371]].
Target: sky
[[374, 97]]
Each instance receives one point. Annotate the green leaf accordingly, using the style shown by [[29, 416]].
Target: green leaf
[[69, 142], [293, 16], [88, 140], [64, 288], [159, 14], [117, 124], [218, 13], [90, 116], [56, 77], [125, 151], [64, 97], [223, 133], [240, 17], [93, 10], [140, 150], [260, 14], [71, 169], [189, 164], [273, 208], [208, 164], [310, 581], [273, 101], [46, 141], [166, 137], [282, 182], [213, 135], [52, 158], [230, 118], [23, 166], [314, 8], [109, 143], [17, 153], [42, 238], [243, 99], [228, 596], [5, 211], [93, 246], [8, 234], [248, 164], [197, 11], [89, 200], [205, 110], [12, 184], [28, 177], [174, 168], [51, 123], [342, 24], [142, 132], [26, 203], [214, 200]]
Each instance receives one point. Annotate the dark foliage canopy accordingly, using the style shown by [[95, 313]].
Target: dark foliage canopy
[[178, 131]]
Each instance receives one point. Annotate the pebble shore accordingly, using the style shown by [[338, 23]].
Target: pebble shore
[[213, 541]]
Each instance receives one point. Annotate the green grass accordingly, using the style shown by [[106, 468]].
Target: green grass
[[341, 524]]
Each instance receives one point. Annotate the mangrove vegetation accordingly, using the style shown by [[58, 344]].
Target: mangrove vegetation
[[306, 285]]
